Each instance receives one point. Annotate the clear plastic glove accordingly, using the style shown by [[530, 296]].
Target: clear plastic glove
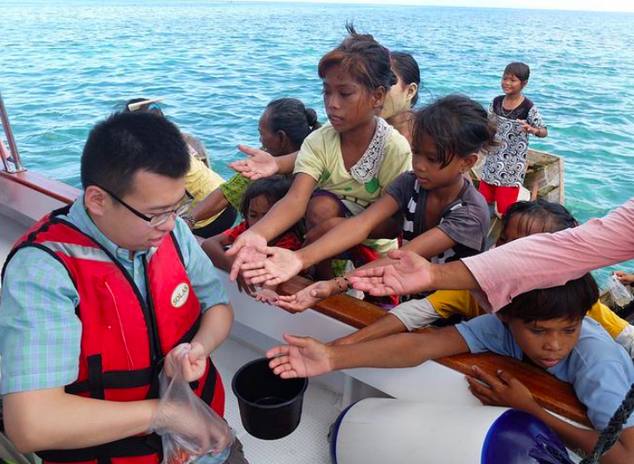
[[624, 277], [189, 427], [620, 294], [190, 359]]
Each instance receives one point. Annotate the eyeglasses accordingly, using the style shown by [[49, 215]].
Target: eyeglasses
[[160, 218]]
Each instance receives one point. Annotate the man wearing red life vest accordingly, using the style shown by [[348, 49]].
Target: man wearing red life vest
[[95, 298]]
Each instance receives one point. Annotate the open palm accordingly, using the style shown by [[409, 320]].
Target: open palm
[[302, 357], [308, 296], [248, 247], [258, 165], [408, 273], [279, 266]]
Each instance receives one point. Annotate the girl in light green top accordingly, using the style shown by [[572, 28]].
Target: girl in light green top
[[352, 159]]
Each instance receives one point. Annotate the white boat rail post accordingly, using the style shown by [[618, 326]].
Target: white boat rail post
[[15, 156]]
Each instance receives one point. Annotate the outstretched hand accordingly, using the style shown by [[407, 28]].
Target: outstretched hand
[[258, 165], [308, 296], [408, 273], [302, 357], [248, 247], [278, 266], [266, 295]]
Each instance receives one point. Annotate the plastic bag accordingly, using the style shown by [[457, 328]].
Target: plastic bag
[[190, 429], [619, 293]]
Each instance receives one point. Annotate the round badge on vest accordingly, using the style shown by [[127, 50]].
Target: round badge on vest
[[180, 295]]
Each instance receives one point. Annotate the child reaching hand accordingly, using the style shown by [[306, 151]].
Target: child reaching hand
[[258, 199], [351, 161], [445, 218], [522, 219], [283, 126], [516, 117], [546, 327]]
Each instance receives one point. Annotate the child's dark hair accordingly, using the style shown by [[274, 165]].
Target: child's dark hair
[[293, 118], [273, 188], [125, 143], [364, 58], [407, 67], [570, 301], [553, 216], [519, 70], [458, 125]]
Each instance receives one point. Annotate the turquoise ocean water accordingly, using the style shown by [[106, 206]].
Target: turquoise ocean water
[[65, 64]]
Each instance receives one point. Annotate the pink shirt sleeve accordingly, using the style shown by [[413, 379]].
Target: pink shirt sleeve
[[549, 260]]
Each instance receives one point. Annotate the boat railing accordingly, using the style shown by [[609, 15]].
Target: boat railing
[[10, 160], [548, 391]]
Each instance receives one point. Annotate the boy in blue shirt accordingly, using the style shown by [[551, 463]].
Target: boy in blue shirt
[[545, 327]]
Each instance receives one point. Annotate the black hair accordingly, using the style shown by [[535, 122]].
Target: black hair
[[273, 188], [290, 116], [364, 58], [125, 143], [519, 70], [553, 216], [458, 125], [407, 67], [570, 301]]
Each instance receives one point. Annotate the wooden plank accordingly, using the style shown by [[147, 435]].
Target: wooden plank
[[548, 391], [52, 188]]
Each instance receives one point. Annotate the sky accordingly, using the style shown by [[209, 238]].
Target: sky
[[587, 5]]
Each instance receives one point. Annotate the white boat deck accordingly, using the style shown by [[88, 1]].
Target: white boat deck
[[308, 444]]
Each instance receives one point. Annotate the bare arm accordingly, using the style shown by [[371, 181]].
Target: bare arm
[[288, 211], [547, 260], [576, 438], [503, 389], [348, 233], [214, 328], [286, 163], [401, 350], [214, 247], [53, 419], [387, 325], [306, 357], [427, 245], [211, 205]]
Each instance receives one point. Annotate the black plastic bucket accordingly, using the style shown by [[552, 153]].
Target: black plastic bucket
[[270, 407]]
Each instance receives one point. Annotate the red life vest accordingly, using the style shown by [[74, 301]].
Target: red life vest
[[124, 340]]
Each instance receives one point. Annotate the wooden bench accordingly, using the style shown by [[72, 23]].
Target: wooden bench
[[550, 393]]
